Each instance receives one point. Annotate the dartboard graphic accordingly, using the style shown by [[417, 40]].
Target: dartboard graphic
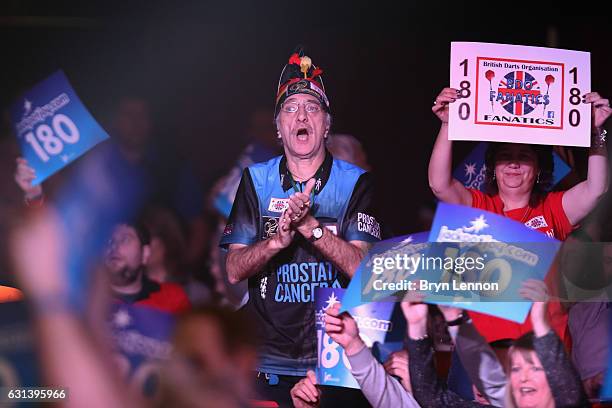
[[519, 97]]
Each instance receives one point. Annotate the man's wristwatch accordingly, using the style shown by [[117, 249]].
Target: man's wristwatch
[[317, 233]]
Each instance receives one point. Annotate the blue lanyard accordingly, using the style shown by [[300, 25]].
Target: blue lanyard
[[299, 189]]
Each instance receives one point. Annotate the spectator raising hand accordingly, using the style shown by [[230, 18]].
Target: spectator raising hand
[[342, 328], [415, 313], [64, 343], [375, 380], [24, 175], [43, 278], [397, 365], [536, 291]]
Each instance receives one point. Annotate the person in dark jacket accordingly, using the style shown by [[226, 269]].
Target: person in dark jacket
[[540, 374]]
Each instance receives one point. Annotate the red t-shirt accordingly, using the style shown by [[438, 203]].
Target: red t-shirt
[[167, 297], [548, 217]]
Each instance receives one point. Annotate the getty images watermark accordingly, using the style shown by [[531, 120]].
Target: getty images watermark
[[466, 271], [410, 264]]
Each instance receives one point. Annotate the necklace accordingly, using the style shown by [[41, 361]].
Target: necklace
[[524, 218], [299, 187], [525, 215]]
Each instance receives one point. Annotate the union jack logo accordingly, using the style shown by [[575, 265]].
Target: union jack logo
[[537, 222], [278, 204], [519, 90]]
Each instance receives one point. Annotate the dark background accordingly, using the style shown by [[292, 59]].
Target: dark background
[[207, 65]]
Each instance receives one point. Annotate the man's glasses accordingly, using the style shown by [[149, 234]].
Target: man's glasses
[[293, 107]]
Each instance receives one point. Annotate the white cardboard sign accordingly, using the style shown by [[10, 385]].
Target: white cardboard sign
[[520, 94]]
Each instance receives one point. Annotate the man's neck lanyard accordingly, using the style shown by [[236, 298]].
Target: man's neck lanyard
[[299, 189], [315, 189]]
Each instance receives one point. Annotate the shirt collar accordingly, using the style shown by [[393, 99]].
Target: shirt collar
[[322, 174], [148, 287]]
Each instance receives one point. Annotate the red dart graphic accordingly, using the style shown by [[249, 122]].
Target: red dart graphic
[[490, 75], [549, 79]]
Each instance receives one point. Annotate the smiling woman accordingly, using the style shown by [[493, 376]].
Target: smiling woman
[[518, 176], [528, 383], [539, 373], [514, 165], [518, 180]]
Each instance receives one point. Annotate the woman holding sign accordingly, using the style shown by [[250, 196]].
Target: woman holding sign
[[517, 177]]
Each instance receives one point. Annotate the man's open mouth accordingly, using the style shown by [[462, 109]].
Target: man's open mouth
[[302, 134]]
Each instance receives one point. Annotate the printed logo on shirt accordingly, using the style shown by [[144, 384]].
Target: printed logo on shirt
[[263, 286], [278, 204], [228, 229], [296, 282], [551, 233], [368, 224], [537, 222], [270, 225]]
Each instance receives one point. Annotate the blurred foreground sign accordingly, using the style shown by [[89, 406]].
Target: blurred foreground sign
[[142, 340], [375, 323]]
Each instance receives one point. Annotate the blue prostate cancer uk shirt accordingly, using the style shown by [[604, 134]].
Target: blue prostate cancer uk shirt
[[281, 294]]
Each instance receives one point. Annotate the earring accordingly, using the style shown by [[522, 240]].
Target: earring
[[279, 136], [538, 179], [493, 176]]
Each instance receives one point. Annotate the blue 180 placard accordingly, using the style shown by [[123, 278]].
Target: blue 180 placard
[[374, 321], [363, 286], [509, 253], [53, 127]]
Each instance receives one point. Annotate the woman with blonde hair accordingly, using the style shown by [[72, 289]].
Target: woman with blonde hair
[[539, 373]]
